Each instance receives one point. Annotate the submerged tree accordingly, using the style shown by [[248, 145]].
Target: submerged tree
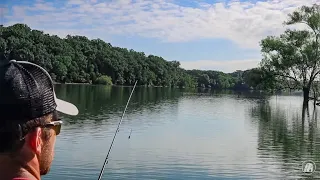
[[294, 56]]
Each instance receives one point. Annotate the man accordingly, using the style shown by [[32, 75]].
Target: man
[[29, 122]]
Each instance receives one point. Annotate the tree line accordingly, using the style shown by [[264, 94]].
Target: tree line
[[76, 59], [290, 61]]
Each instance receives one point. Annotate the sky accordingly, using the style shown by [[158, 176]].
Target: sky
[[200, 34]]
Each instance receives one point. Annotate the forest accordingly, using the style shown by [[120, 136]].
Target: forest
[[290, 61], [76, 59]]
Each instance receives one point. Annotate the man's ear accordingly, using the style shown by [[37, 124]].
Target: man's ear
[[34, 140]]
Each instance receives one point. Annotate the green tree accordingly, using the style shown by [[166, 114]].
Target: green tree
[[259, 79], [294, 56], [105, 80], [77, 59]]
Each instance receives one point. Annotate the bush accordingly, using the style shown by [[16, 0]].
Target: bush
[[105, 80]]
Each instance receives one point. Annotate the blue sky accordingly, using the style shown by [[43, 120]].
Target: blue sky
[[202, 34]]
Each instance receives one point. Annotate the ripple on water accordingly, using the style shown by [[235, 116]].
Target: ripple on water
[[190, 137]]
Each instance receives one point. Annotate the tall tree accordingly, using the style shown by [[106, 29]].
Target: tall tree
[[294, 56]]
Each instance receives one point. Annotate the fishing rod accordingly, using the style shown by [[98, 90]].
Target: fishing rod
[[117, 130]]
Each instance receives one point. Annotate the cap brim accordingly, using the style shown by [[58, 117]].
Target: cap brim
[[66, 107]]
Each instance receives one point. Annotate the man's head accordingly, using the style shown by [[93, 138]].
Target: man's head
[[29, 121]]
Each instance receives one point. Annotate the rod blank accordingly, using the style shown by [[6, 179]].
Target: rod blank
[[117, 130]]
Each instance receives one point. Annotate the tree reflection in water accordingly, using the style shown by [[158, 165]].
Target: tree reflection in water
[[287, 136]]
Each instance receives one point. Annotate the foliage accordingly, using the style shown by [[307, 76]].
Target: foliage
[[290, 60], [105, 80], [213, 79], [76, 59], [80, 60], [261, 79], [293, 57]]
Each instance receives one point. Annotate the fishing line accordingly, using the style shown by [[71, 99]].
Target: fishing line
[[117, 130]]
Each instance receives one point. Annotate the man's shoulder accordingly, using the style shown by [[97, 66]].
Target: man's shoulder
[[18, 178]]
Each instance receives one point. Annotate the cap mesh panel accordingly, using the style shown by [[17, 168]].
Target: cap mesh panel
[[26, 92]]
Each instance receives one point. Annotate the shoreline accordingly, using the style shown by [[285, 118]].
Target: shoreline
[[71, 83], [115, 85]]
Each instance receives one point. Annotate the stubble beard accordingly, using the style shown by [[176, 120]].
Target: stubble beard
[[45, 159]]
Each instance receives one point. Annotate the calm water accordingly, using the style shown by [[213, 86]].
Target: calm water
[[177, 135]]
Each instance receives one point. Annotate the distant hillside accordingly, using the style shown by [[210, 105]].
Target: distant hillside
[[76, 59]]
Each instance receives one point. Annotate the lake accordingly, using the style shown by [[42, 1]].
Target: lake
[[181, 135]]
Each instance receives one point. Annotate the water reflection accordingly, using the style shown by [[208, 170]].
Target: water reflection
[[287, 136], [178, 134], [106, 102]]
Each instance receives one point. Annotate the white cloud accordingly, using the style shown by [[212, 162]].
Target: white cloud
[[224, 66], [244, 23], [75, 2], [43, 7]]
